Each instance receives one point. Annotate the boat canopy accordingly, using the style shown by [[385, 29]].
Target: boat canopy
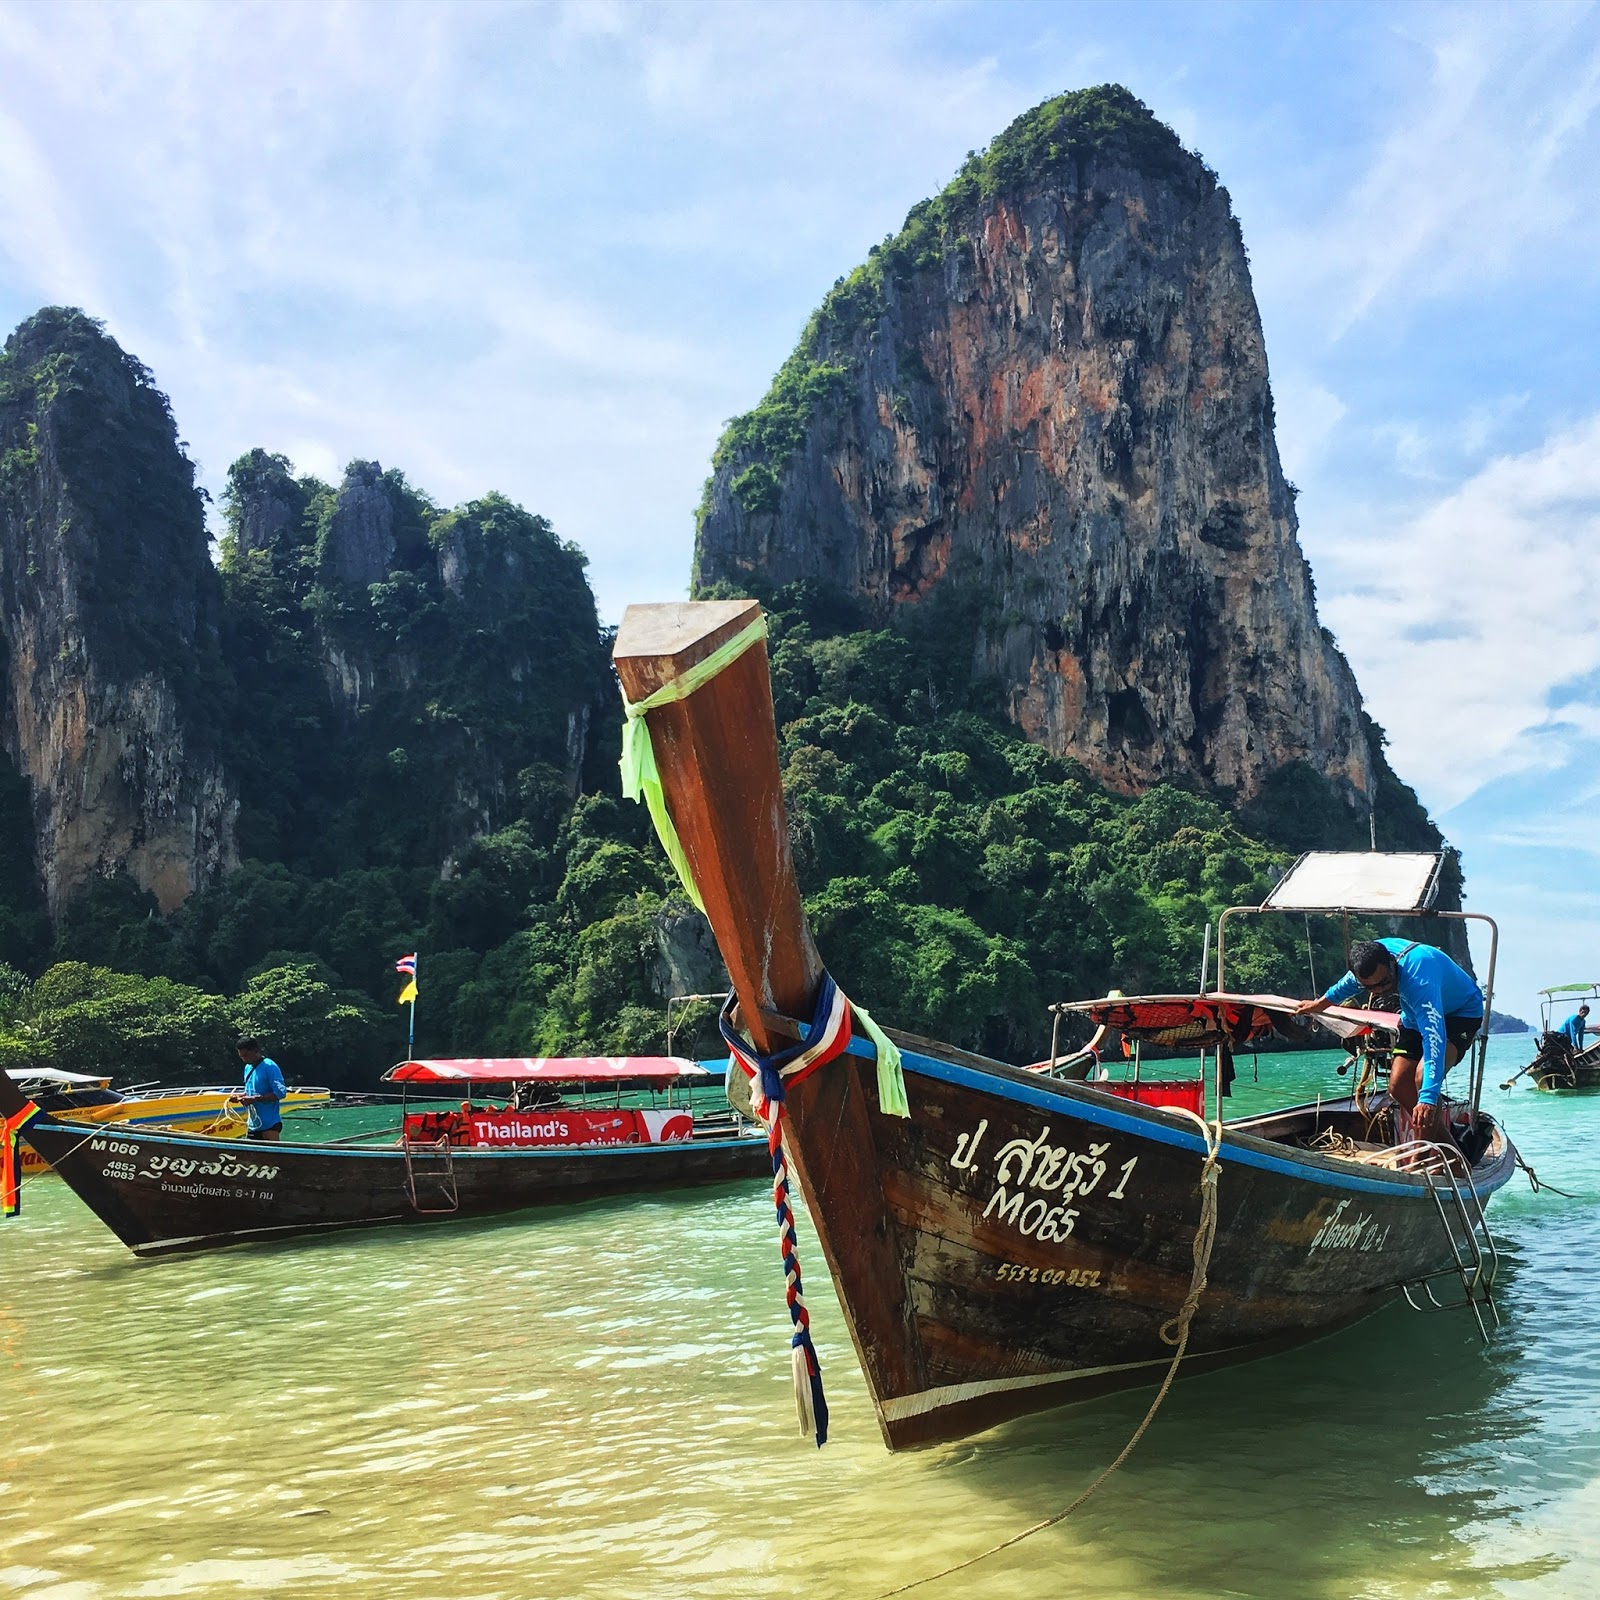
[[56, 1076], [1572, 988], [656, 1072], [1358, 880], [1204, 1021]]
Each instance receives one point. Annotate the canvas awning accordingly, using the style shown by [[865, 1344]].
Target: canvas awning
[[1375, 881], [656, 1072], [1205, 1021], [1572, 988], [57, 1077]]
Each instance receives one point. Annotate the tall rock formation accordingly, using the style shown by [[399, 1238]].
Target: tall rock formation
[[108, 619], [1047, 399], [459, 654]]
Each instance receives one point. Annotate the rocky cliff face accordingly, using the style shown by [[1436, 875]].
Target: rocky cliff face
[[108, 619], [460, 648], [1048, 398]]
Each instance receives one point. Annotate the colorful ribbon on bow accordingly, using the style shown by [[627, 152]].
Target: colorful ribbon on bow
[[11, 1158], [827, 1037]]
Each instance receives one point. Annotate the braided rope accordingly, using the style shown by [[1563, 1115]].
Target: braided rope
[[825, 1039]]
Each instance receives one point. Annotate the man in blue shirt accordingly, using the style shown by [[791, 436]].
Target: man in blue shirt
[[1576, 1026], [263, 1092], [1441, 1011]]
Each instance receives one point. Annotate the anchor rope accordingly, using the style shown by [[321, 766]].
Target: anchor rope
[[1173, 1332], [1537, 1183]]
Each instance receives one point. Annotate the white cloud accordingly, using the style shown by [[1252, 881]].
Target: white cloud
[[1477, 167], [1463, 622], [1309, 413]]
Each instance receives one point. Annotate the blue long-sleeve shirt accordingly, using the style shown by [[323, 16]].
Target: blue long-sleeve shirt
[[1432, 987], [1574, 1027], [264, 1078]]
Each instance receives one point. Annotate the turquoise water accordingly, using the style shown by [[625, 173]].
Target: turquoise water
[[595, 1401]]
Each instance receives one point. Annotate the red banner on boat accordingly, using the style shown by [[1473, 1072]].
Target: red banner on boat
[[490, 1129], [1189, 1094]]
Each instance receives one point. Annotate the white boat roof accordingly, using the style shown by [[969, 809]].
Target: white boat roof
[[75, 1080], [1358, 880]]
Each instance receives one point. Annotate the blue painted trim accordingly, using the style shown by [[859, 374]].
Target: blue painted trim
[[1109, 1116]]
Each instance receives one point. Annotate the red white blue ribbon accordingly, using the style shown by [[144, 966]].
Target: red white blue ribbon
[[825, 1039]]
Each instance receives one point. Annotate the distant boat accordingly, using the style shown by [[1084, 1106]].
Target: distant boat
[[1558, 1065], [88, 1098], [162, 1192], [1018, 1241]]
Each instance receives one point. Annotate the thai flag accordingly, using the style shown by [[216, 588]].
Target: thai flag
[[407, 965]]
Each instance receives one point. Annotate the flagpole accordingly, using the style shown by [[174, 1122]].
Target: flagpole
[[411, 1034]]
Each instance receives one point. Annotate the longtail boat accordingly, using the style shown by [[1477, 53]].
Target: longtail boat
[[87, 1097], [161, 1191], [1003, 1240], [1559, 1064]]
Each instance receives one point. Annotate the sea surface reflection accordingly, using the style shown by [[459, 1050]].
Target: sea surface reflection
[[595, 1401]]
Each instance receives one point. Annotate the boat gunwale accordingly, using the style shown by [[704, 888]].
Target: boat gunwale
[[47, 1123], [1094, 1105]]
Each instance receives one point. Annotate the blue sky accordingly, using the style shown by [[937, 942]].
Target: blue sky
[[548, 249]]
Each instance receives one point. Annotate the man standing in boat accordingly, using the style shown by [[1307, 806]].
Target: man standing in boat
[[1575, 1027], [1441, 1011], [262, 1093]]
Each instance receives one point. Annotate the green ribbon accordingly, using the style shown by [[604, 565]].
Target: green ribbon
[[640, 779], [891, 1080]]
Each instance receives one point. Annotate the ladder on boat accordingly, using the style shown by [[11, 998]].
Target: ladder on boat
[[431, 1173], [1474, 1255]]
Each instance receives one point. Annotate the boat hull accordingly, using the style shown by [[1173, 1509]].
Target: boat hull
[[204, 1110], [1040, 1235], [1559, 1071], [163, 1193]]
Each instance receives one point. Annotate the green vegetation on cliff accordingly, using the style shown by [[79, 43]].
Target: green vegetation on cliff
[[417, 707], [1054, 143], [79, 414]]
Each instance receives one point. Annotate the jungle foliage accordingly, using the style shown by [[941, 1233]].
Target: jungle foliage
[[958, 878], [427, 763]]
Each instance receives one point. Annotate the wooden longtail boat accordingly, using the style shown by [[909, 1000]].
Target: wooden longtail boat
[[1558, 1066], [161, 1191], [87, 1098], [1016, 1241]]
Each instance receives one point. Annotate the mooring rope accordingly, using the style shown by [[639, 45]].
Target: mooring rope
[[1173, 1332], [1537, 1183]]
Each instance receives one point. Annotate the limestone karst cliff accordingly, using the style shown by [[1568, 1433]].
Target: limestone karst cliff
[[108, 620], [459, 655], [1045, 404], [366, 679]]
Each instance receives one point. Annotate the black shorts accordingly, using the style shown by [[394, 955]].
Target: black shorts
[[1460, 1031], [274, 1132]]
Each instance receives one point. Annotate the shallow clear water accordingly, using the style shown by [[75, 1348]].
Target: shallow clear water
[[595, 1401]]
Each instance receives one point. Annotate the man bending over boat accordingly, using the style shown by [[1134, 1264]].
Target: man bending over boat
[[262, 1093], [1441, 1011]]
